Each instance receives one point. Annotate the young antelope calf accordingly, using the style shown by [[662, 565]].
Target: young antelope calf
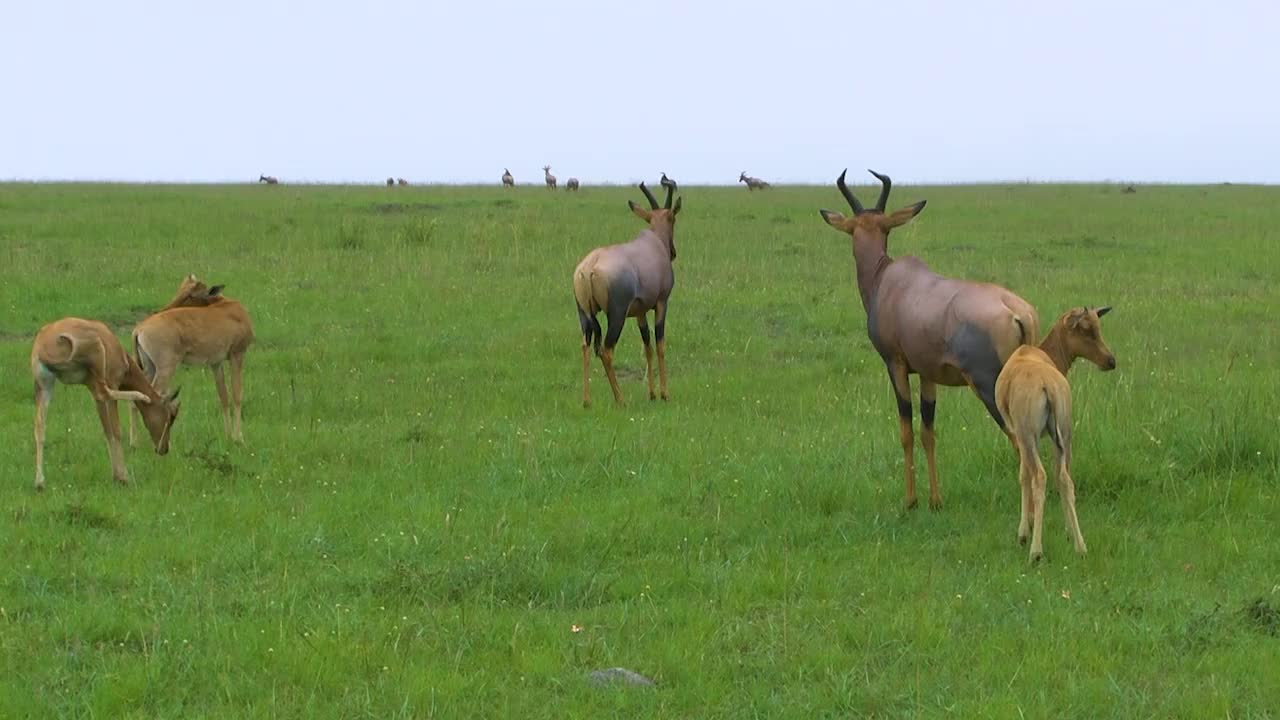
[[1035, 399], [85, 352], [203, 336], [628, 280]]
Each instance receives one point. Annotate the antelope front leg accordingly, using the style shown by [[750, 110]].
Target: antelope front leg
[[108, 413], [928, 403], [902, 391], [221, 383], [660, 334], [237, 391], [648, 354], [43, 395]]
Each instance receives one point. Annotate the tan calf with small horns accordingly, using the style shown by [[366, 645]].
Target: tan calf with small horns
[[85, 352], [1034, 399], [203, 336]]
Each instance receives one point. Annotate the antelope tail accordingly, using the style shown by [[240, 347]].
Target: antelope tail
[[1052, 422], [1022, 330], [584, 294]]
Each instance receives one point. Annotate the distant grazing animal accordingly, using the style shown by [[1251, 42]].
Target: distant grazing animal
[[391, 182], [551, 179], [949, 332], [402, 182], [628, 280], [507, 180], [86, 352], [203, 336], [572, 184], [1035, 399], [1129, 190], [268, 179], [753, 183], [668, 184]]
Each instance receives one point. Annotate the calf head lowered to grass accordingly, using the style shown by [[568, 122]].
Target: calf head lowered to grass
[[1034, 399]]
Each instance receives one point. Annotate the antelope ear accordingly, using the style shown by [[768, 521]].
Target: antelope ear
[[834, 219], [903, 216], [216, 290], [679, 202], [1104, 310], [640, 212]]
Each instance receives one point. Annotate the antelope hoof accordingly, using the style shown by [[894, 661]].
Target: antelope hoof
[[40, 485], [586, 403], [654, 396], [1036, 556], [665, 396], [1023, 537], [910, 503], [935, 503]]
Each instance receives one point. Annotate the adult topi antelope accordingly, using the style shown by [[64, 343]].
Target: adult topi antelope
[[402, 182], [507, 180], [551, 179], [86, 352], [391, 182], [668, 184], [628, 280], [1034, 399], [268, 179], [203, 336], [949, 332], [572, 184], [753, 183]]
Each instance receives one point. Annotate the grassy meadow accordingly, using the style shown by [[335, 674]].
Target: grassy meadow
[[423, 512]]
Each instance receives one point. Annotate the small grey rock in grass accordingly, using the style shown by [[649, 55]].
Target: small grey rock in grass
[[610, 676]]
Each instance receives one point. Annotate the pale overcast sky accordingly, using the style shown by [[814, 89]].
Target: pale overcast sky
[[791, 91]]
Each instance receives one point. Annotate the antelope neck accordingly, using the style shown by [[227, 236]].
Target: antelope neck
[[1053, 346], [870, 262]]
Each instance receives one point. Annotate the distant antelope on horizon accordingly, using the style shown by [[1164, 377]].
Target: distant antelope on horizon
[[507, 180], [268, 179], [572, 184], [551, 179], [390, 182], [753, 183], [402, 182], [668, 184]]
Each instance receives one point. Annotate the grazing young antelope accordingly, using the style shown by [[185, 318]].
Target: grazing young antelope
[[753, 183], [268, 179], [551, 179], [192, 292], [507, 180], [86, 352], [628, 280], [402, 182], [949, 332], [1035, 399], [572, 184], [202, 336], [668, 184]]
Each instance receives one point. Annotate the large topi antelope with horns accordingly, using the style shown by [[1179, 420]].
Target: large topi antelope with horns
[[668, 184], [628, 280], [550, 179], [947, 331], [572, 184], [268, 179], [753, 183], [1034, 399], [86, 352], [507, 180], [202, 336]]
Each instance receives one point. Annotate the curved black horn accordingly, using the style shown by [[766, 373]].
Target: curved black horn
[[884, 191], [848, 194], [670, 191], [653, 202]]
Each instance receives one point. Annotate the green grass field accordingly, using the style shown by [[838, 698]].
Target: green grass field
[[423, 510]]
